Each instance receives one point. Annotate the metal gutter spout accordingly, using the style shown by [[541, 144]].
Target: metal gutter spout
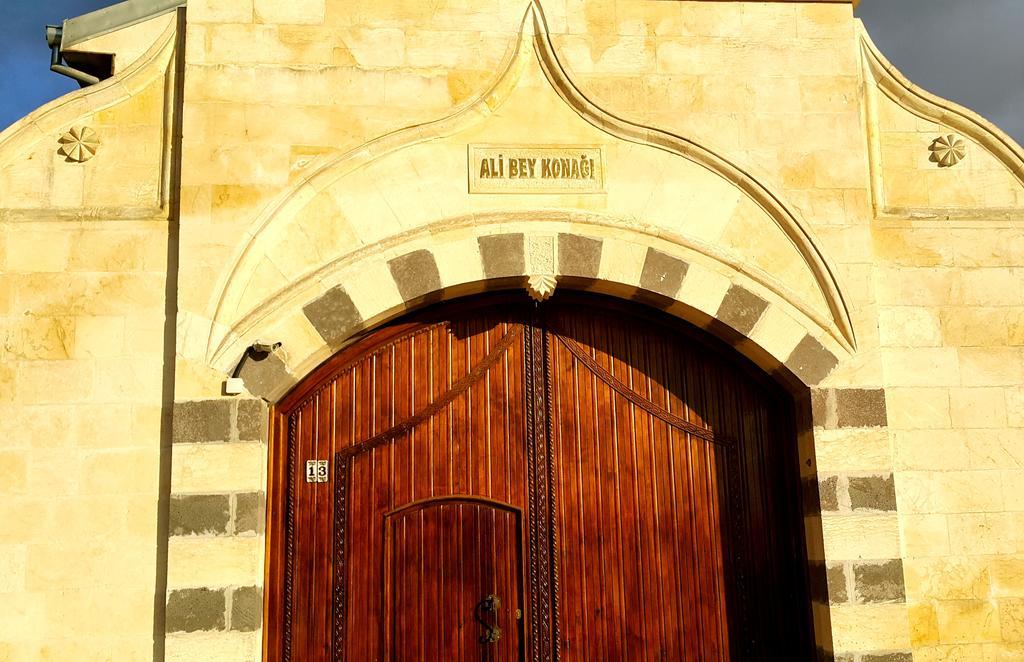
[[53, 38]]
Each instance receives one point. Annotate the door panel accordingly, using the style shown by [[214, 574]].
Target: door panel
[[626, 483], [443, 559], [677, 538], [433, 412]]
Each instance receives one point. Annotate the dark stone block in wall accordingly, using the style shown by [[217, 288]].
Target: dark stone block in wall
[[502, 255], [579, 256], [903, 656], [246, 609], [662, 274], [872, 493], [333, 315], [827, 493], [860, 408], [879, 581], [741, 309], [267, 378], [201, 514], [202, 420], [416, 275], [820, 406], [252, 420], [810, 361], [250, 512], [195, 609], [837, 593]]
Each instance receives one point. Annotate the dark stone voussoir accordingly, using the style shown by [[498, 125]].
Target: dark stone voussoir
[[502, 255], [267, 377], [334, 315], [741, 309], [810, 361], [662, 273], [579, 256], [416, 275]]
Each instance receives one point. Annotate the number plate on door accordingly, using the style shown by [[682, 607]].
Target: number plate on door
[[316, 471]]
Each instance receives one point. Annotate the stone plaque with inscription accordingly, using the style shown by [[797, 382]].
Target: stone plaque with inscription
[[536, 169]]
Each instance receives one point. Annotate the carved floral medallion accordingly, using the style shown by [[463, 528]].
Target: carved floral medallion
[[78, 144]]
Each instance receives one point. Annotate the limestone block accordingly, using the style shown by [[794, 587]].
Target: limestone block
[[977, 407], [917, 408], [123, 471], [909, 327], [947, 578], [966, 491], [922, 366], [991, 366], [995, 449], [860, 536], [99, 336], [856, 449], [981, 533], [214, 646], [975, 326], [924, 624], [41, 338], [109, 611], [12, 568], [195, 561], [38, 250], [227, 467], [991, 286], [870, 627], [214, 11], [924, 536], [931, 450], [968, 621], [41, 382], [918, 286], [294, 11]]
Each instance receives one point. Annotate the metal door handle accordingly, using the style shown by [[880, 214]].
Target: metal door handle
[[492, 633]]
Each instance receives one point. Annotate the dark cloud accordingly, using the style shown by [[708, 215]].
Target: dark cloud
[[969, 51]]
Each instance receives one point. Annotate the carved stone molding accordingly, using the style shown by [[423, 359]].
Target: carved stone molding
[[541, 286], [947, 150], [78, 144]]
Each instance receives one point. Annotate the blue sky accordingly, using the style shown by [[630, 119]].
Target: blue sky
[[970, 51]]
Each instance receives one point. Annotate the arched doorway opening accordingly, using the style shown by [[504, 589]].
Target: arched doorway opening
[[493, 479]]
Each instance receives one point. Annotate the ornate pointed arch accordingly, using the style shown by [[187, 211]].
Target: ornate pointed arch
[[269, 278]]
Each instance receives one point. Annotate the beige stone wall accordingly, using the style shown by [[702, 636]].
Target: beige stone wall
[[83, 264], [763, 146]]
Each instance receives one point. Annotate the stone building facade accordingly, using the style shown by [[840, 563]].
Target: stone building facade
[[301, 172]]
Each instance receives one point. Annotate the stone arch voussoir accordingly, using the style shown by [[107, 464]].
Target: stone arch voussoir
[[758, 322]]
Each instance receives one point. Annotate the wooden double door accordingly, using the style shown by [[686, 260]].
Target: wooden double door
[[499, 480]]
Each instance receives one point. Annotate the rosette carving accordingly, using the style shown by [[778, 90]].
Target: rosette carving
[[948, 150], [79, 144]]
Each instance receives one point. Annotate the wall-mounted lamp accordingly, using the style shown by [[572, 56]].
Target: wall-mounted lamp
[[257, 351]]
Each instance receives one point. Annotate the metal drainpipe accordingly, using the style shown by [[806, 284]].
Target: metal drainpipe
[[53, 37]]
